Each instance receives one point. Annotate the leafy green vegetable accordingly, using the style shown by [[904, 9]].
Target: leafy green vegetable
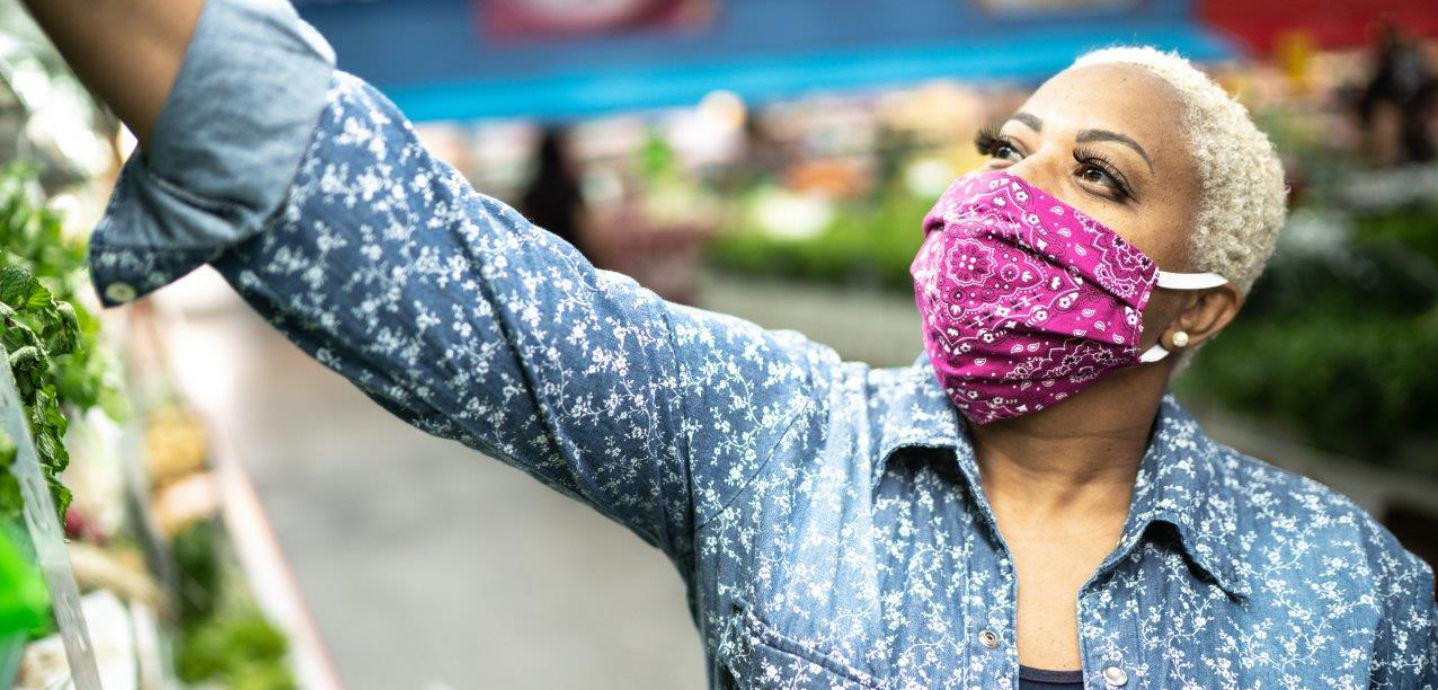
[[51, 340], [24, 600], [9, 483], [237, 647], [224, 638], [197, 571], [26, 308]]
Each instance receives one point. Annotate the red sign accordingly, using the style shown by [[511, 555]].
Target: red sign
[[1329, 23]]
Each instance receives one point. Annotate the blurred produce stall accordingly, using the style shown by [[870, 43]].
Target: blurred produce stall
[[122, 564], [166, 595]]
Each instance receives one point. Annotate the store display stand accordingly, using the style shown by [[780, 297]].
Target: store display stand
[[269, 574], [47, 537], [188, 355]]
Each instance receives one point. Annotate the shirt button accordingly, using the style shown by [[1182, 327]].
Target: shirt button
[[988, 638], [120, 292], [1115, 676]]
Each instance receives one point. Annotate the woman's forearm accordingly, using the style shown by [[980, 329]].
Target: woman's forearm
[[126, 51]]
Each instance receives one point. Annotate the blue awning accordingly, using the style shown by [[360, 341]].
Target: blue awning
[[438, 59], [1033, 55]]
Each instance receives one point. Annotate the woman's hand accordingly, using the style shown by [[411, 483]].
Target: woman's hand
[[126, 51]]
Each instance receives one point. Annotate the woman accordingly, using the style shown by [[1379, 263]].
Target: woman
[[1023, 505]]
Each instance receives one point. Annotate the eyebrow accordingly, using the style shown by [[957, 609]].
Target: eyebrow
[[1087, 135], [1034, 123], [1105, 135]]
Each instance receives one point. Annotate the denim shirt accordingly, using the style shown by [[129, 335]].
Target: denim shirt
[[826, 517]]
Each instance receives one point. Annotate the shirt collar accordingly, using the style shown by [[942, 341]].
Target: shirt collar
[[1182, 479], [912, 410]]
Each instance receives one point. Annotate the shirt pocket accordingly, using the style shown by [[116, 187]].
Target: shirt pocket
[[762, 658]]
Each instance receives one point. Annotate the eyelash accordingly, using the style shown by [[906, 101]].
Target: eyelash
[[1095, 160], [989, 142]]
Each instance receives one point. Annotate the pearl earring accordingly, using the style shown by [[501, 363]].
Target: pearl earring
[[1180, 339]]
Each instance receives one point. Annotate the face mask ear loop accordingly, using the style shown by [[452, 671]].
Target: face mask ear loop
[[1180, 281], [1189, 281], [1153, 354]]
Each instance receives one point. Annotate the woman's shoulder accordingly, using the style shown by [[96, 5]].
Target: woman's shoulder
[[1326, 579], [1297, 532]]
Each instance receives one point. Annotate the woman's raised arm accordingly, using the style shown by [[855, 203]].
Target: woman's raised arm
[[309, 191], [126, 51]]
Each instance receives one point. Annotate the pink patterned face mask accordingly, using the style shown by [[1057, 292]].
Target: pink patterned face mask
[[1027, 301]]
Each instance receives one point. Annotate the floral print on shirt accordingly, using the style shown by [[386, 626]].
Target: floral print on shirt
[[826, 516]]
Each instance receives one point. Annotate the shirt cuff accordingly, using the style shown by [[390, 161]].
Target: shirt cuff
[[226, 148]]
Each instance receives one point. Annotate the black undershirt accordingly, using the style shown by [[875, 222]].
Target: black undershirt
[[1031, 678]]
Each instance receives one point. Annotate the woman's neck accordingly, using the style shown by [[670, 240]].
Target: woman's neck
[[1069, 470]]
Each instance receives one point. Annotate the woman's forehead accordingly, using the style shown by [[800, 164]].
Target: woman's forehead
[[1116, 95], [1121, 98]]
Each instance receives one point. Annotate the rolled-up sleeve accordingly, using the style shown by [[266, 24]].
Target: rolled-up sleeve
[[224, 151]]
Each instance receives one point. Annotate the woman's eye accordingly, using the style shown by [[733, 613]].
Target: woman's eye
[[1094, 173], [1099, 175], [990, 143]]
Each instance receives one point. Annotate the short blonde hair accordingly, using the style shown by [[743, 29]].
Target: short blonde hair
[[1244, 199]]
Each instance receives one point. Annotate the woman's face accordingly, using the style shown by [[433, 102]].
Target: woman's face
[[1107, 140]]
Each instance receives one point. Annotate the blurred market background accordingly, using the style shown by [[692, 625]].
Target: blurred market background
[[244, 518]]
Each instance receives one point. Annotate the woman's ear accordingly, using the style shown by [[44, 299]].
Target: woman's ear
[[1206, 313]]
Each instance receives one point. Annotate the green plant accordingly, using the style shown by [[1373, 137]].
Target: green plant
[[224, 638], [237, 647], [33, 238], [197, 571], [36, 328], [24, 601], [1342, 347], [51, 340], [869, 242]]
